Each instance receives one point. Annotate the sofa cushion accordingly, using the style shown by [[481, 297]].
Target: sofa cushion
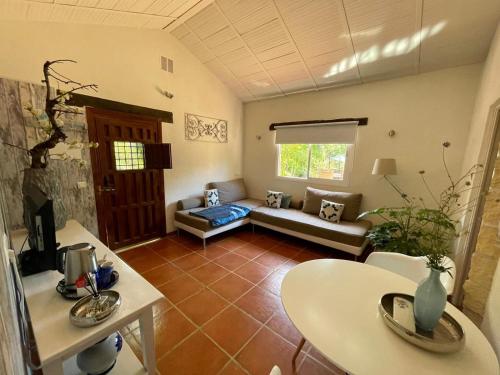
[[351, 202], [297, 204], [211, 198], [273, 199], [286, 199], [188, 203], [331, 211], [346, 232], [184, 217], [230, 191]]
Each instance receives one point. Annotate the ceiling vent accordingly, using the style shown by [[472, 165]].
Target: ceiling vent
[[167, 64]]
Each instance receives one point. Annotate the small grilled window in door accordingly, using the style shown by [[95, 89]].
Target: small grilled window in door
[[129, 156]]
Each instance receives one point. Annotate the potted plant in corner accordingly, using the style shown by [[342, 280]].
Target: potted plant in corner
[[417, 230], [49, 129]]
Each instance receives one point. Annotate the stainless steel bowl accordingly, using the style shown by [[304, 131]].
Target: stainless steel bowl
[[90, 311]]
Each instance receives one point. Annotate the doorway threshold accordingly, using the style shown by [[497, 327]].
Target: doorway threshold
[[138, 244]]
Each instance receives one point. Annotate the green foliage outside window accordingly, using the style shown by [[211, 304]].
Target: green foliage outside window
[[326, 161], [294, 160]]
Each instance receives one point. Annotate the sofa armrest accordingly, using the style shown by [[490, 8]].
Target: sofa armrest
[[188, 203]]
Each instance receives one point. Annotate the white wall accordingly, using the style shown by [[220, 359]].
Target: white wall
[[488, 94], [125, 63], [424, 110]]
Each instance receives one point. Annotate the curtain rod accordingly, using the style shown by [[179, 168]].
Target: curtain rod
[[360, 121]]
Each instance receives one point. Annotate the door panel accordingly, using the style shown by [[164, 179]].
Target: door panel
[[130, 199]]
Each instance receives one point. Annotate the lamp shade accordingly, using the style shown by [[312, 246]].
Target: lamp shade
[[384, 167]]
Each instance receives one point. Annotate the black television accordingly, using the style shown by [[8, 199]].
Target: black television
[[39, 221]]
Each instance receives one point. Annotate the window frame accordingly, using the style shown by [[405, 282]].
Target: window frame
[[349, 163]]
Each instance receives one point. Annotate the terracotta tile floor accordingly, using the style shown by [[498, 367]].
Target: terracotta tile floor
[[223, 313]]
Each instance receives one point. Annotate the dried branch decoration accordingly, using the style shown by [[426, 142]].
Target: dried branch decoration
[[52, 125]]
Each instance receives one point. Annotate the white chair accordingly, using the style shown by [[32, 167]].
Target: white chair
[[413, 268]]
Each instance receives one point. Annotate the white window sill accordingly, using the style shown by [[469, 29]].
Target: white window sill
[[316, 181]]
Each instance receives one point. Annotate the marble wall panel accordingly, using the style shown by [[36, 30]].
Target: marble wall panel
[[18, 127]]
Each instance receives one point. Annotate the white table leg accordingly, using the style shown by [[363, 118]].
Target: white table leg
[[53, 368], [148, 341]]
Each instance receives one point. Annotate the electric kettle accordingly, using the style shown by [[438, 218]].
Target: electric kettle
[[74, 262]]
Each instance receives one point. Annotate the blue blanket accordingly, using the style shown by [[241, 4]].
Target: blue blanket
[[222, 215]]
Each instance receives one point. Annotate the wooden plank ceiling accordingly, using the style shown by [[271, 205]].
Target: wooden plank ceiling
[[151, 14], [267, 48]]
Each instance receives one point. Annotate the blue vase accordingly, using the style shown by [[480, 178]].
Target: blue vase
[[430, 301]]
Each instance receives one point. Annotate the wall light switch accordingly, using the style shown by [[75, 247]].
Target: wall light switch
[[82, 185]]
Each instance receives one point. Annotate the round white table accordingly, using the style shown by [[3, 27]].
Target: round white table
[[334, 305]]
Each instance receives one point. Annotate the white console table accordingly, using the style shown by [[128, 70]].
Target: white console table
[[58, 341]]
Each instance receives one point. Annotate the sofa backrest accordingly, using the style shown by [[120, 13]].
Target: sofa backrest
[[230, 191], [351, 202]]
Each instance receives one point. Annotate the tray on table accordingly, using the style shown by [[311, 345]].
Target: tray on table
[[447, 337]]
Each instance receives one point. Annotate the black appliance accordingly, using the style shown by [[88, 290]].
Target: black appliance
[[39, 220]]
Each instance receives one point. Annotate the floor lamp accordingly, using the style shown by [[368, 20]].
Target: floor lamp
[[386, 167]]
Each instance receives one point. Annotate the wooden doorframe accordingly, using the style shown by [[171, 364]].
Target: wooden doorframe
[[91, 113], [488, 151]]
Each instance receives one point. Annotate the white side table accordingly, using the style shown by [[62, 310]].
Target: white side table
[[56, 338]]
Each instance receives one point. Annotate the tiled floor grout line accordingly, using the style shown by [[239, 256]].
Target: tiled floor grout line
[[188, 274], [207, 286], [233, 357], [230, 304], [191, 251], [265, 324], [227, 269], [244, 370], [199, 328], [163, 355]]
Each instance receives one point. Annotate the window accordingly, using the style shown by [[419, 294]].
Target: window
[[317, 151], [315, 161], [128, 155]]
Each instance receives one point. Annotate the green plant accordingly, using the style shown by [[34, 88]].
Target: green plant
[[417, 230], [398, 232]]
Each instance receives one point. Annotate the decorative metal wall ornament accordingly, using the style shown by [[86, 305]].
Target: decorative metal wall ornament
[[204, 129]]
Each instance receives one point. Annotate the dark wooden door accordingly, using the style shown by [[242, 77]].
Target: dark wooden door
[[130, 198]]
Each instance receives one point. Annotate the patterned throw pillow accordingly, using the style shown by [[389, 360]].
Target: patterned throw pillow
[[273, 199], [211, 198], [331, 211]]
